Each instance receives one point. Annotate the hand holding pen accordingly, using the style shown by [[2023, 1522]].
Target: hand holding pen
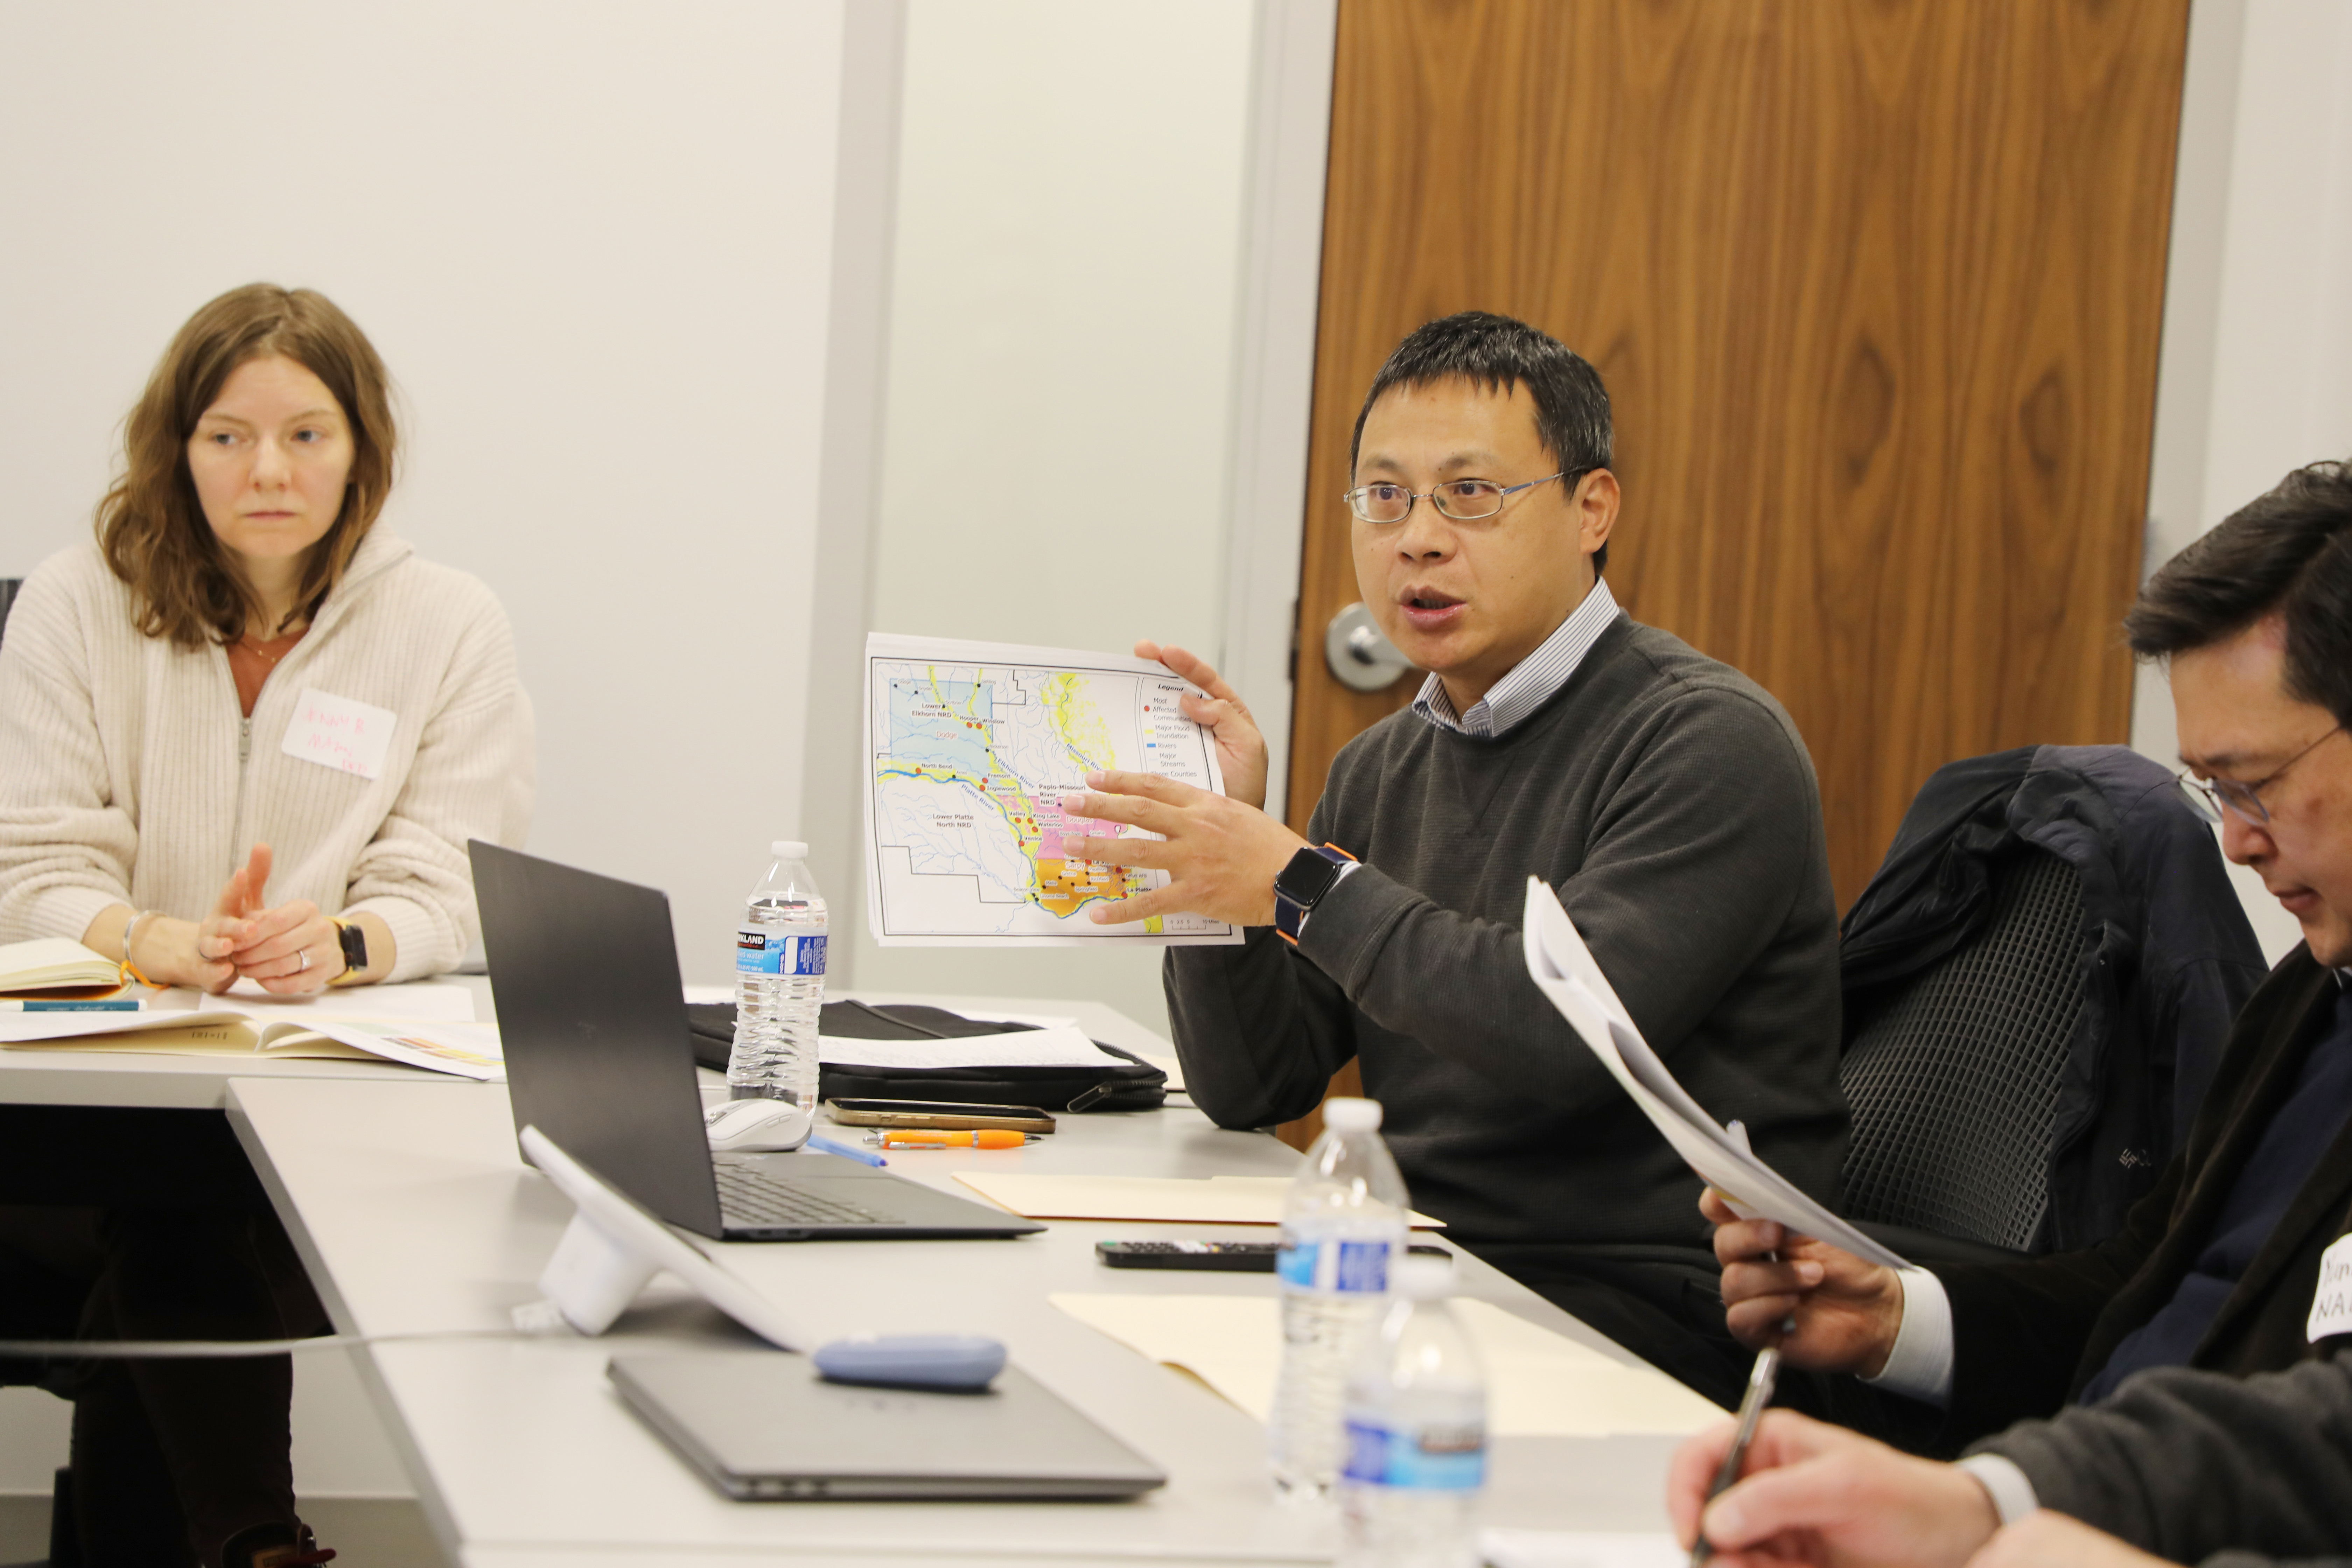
[[1817, 1493], [1761, 1379]]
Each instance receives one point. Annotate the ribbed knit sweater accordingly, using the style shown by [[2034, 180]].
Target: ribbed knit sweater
[[128, 774], [1669, 802]]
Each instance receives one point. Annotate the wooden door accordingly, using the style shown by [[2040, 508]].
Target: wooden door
[[1876, 285]]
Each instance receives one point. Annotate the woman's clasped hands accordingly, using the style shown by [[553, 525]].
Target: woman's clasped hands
[[290, 951]]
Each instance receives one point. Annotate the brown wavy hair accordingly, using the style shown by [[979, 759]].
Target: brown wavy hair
[[151, 525]]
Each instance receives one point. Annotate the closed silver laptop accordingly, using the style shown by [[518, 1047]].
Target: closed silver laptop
[[763, 1426]]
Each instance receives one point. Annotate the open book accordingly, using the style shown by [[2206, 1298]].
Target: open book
[[56, 967], [1563, 970], [466, 1049]]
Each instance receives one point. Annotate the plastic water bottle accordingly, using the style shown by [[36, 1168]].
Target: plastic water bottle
[[779, 984], [1343, 1227], [1416, 1434]]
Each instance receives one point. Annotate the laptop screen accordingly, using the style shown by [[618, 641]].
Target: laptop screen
[[592, 1019]]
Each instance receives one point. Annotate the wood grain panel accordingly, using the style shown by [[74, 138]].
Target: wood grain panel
[[1876, 285]]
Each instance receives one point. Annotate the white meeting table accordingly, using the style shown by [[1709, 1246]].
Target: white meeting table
[[416, 1214]]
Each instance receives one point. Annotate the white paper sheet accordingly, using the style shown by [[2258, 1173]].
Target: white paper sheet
[[1064, 1047], [466, 1049], [1564, 971], [970, 748], [1172, 1200], [1537, 1382], [21, 1029], [1579, 1549], [421, 1000], [463, 1049]]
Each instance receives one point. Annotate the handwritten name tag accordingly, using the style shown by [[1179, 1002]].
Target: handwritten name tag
[[340, 733], [2331, 1304]]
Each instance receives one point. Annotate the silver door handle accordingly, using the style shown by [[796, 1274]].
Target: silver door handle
[[1359, 656]]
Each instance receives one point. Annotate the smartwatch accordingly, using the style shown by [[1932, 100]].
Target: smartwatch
[[355, 940], [1301, 886]]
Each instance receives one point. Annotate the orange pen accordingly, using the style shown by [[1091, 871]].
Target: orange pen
[[982, 1137]]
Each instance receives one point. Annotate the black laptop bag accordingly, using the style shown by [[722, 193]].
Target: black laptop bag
[[1133, 1085]]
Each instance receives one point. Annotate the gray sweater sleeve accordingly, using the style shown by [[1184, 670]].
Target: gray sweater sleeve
[[1259, 1030], [2197, 1465], [1708, 825]]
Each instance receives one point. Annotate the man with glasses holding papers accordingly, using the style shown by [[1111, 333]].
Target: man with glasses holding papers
[[1665, 796], [2238, 1261]]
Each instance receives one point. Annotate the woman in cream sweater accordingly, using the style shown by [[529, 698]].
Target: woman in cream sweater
[[247, 732], [246, 735]]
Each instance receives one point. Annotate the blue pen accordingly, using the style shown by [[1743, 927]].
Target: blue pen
[[846, 1151], [73, 1005]]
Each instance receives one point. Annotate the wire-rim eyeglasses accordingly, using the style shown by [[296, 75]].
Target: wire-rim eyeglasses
[[1464, 500], [2212, 796]]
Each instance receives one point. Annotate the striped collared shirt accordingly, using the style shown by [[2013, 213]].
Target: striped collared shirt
[[1532, 681]]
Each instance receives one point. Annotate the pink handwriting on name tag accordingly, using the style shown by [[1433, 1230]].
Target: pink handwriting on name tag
[[338, 732]]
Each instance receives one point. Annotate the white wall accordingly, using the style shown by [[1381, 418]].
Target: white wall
[[2257, 368], [593, 242], [1057, 452]]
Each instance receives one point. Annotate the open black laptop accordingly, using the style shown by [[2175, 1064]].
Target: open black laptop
[[599, 1057]]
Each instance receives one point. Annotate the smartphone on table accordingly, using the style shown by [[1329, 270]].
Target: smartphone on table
[[944, 1115]]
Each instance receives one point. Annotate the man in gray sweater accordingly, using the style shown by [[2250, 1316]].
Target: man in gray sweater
[[2193, 1466], [1665, 797]]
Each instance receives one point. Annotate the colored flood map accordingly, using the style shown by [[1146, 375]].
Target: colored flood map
[[969, 766]]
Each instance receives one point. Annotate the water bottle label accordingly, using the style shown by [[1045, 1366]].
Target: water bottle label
[[1438, 1458], [761, 952], [1345, 1267]]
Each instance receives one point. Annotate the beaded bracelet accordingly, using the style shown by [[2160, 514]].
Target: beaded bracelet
[[129, 968]]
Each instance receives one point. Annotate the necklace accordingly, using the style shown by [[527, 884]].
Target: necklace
[[246, 641]]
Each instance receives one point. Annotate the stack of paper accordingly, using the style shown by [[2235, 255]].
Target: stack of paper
[[1172, 1200], [1563, 970], [1537, 1382], [420, 1026], [1059, 1044]]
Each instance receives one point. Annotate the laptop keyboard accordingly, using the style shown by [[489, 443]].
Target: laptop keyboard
[[747, 1197]]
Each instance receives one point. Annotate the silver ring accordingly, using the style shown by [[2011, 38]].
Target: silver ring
[[306, 960]]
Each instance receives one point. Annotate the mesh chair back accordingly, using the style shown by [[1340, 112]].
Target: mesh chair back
[[8, 586], [1953, 1084]]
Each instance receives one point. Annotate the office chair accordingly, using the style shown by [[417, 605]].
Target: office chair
[[1953, 1081], [2038, 982], [8, 586]]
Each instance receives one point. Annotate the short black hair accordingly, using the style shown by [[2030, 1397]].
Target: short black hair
[[2287, 552], [1496, 352]]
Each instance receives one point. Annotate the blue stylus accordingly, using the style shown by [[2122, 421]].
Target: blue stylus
[[846, 1151]]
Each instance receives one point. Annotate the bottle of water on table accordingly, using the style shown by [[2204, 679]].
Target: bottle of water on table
[[1416, 1414], [1343, 1228], [779, 984]]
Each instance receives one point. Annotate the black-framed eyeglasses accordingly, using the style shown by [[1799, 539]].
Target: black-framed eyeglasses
[[2210, 797], [1464, 500]]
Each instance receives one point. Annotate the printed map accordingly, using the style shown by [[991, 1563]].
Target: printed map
[[972, 746]]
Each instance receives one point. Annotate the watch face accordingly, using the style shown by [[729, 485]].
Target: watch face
[[1307, 878], [354, 942]]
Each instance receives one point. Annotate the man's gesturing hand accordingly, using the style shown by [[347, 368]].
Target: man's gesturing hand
[[1221, 856], [1820, 1494], [1241, 748], [1846, 1312]]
